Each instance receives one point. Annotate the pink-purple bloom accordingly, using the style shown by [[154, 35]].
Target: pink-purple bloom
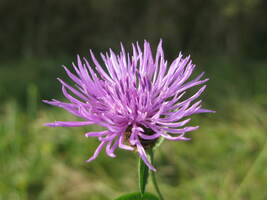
[[137, 97]]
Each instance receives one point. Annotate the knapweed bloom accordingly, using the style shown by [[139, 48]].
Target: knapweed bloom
[[137, 98]]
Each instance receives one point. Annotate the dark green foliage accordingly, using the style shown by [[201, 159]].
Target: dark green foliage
[[48, 27]]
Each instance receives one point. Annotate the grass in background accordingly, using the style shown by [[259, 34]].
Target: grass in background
[[226, 158]]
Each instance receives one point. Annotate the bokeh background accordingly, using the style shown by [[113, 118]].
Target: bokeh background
[[227, 157]]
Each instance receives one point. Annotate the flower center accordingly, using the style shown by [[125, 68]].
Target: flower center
[[147, 144]]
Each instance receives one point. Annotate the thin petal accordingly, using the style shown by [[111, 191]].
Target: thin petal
[[110, 148], [97, 151], [149, 137], [124, 146], [144, 157], [183, 130], [176, 138], [96, 134], [68, 124]]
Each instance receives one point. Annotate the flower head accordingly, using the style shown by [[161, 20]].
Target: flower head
[[137, 98]]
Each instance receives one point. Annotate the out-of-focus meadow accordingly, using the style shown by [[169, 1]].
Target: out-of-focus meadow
[[226, 158]]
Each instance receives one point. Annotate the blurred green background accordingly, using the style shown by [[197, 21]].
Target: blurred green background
[[225, 160]]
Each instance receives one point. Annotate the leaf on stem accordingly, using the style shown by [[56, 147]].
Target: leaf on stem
[[137, 196], [143, 173]]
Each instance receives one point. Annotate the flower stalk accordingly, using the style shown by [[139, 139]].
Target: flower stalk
[[153, 175], [143, 174]]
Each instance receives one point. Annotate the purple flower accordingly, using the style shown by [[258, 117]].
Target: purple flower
[[137, 98]]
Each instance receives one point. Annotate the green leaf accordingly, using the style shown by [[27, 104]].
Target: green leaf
[[143, 173], [138, 196]]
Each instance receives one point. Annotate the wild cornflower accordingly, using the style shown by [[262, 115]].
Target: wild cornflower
[[137, 98]]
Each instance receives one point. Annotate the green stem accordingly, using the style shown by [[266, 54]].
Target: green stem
[[151, 153], [143, 176]]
